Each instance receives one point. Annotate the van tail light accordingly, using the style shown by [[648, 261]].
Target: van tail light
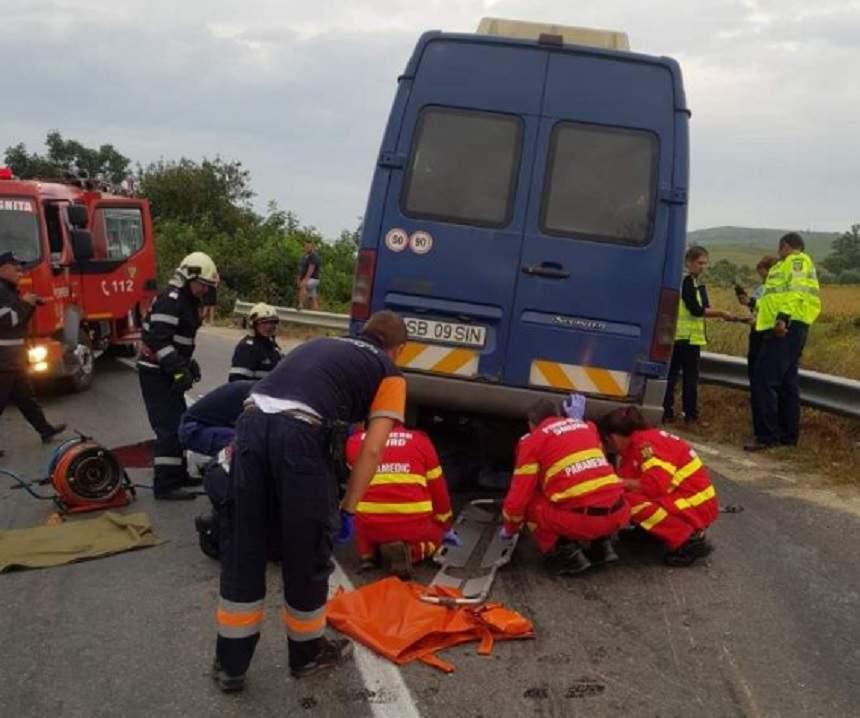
[[664, 329], [362, 284]]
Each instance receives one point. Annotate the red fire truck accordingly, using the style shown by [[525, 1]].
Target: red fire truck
[[90, 256]]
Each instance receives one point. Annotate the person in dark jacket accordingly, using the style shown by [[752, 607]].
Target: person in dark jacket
[[167, 370], [750, 302], [256, 354], [15, 312]]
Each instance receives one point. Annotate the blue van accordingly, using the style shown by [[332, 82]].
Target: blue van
[[527, 217]]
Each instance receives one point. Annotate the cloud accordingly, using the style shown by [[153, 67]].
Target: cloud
[[300, 92]]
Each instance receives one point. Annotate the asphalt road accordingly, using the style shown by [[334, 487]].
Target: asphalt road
[[768, 626]]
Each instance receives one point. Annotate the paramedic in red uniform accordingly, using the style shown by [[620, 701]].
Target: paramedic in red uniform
[[406, 511], [565, 491], [667, 487]]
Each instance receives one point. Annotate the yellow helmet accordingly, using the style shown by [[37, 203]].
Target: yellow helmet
[[262, 312], [199, 266]]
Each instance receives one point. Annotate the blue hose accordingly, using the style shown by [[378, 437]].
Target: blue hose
[[26, 485]]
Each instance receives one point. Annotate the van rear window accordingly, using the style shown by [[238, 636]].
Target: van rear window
[[463, 167], [600, 183]]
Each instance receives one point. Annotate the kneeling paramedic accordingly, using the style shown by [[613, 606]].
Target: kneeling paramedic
[[666, 485], [405, 514], [258, 353], [208, 428], [565, 491], [283, 458], [166, 369]]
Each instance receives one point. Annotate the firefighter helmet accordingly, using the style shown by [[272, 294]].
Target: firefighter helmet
[[262, 312], [199, 266]]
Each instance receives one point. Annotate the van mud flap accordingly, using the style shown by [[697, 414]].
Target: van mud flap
[[479, 522]]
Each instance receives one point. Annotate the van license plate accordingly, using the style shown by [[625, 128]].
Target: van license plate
[[466, 335]]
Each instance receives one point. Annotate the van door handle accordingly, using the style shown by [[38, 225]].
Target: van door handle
[[550, 270]]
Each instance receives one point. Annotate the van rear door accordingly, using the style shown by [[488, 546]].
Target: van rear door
[[595, 240], [452, 228]]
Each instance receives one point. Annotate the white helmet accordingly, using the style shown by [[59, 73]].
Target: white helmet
[[199, 266], [262, 312]]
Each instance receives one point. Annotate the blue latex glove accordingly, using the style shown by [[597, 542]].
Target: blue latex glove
[[347, 527], [504, 535], [452, 539], [574, 406]]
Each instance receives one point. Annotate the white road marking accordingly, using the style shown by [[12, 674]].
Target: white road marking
[[130, 363], [392, 698]]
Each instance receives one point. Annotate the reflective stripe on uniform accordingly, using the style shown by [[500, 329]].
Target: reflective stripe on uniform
[[241, 371], [442, 518], [654, 519], [148, 364], [165, 351], [585, 487], [571, 459], [304, 625], [526, 470], [167, 461], [685, 472], [639, 508], [186, 341], [665, 465], [511, 519], [12, 312], [696, 499], [239, 620], [11, 342], [392, 478], [374, 507], [164, 319], [434, 473]]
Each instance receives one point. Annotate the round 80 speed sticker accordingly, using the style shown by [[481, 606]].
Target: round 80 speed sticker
[[420, 242], [396, 239]]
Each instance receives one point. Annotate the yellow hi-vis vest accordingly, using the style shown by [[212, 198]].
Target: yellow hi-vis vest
[[791, 288], [691, 329]]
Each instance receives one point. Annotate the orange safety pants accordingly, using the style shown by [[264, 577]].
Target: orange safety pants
[[422, 534], [662, 518], [548, 522]]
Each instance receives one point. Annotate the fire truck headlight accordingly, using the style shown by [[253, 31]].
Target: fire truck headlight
[[41, 366], [37, 355]]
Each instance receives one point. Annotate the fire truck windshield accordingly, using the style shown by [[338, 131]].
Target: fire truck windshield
[[19, 229]]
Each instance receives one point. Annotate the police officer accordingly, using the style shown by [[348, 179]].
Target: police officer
[[256, 354], [283, 444], [15, 313], [166, 369], [789, 304]]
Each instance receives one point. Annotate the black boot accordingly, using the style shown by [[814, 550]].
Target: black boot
[[695, 547], [227, 683], [331, 654], [175, 494], [601, 552], [51, 432], [567, 560], [208, 536]]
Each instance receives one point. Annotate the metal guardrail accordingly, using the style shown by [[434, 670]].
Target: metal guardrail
[[833, 394]]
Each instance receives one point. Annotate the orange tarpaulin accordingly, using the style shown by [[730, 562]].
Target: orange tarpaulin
[[388, 617]]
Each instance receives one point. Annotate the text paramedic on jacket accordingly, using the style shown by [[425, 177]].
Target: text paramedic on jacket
[[166, 370], [257, 354], [665, 482], [282, 458], [565, 491], [406, 510]]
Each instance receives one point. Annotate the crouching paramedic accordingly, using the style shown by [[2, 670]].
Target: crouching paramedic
[[282, 459], [166, 369], [666, 484], [565, 491], [406, 512], [256, 354]]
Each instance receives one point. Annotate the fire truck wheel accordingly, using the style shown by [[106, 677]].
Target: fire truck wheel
[[84, 371]]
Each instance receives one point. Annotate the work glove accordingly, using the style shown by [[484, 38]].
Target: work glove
[[452, 539], [182, 380], [347, 527], [505, 535], [194, 368], [574, 406]]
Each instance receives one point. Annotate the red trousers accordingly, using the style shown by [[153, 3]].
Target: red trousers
[[548, 522], [422, 534], [662, 517]]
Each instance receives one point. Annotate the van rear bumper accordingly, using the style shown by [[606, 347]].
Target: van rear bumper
[[426, 390]]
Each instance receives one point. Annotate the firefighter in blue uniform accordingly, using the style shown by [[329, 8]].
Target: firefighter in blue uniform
[[256, 354], [167, 370], [283, 458], [15, 313]]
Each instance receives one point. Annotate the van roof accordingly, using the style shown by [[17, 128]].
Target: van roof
[[571, 35]]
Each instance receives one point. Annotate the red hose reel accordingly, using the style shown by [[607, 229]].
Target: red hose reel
[[88, 477]]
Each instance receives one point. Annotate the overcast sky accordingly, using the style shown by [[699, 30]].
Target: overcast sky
[[300, 91]]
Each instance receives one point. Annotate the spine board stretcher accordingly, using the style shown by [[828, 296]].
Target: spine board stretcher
[[471, 525]]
